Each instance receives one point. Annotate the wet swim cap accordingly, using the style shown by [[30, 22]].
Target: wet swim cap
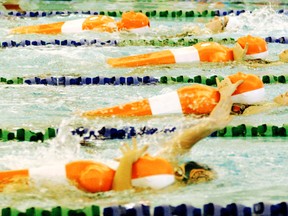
[[152, 172], [192, 172], [100, 23], [90, 176], [251, 91], [257, 46], [134, 22]]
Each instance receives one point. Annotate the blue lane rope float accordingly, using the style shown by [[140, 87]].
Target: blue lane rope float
[[130, 80], [264, 130], [57, 42], [212, 209], [151, 14], [188, 41], [105, 133]]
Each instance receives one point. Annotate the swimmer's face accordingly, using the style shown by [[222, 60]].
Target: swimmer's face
[[217, 24], [282, 99], [283, 56], [189, 175]]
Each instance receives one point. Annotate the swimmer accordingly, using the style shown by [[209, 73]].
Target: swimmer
[[278, 101], [134, 22], [214, 26], [136, 169], [195, 99], [283, 58], [246, 47]]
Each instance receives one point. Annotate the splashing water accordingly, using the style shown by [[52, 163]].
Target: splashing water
[[261, 22], [65, 144]]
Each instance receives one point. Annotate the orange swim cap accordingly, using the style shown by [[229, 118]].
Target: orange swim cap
[[90, 176], [97, 178], [257, 46], [134, 21], [251, 91], [152, 172]]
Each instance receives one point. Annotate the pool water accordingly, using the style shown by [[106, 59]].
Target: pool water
[[249, 169]]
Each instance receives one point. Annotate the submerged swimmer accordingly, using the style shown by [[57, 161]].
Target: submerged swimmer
[[131, 21], [214, 26], [283, 58], [245, 109], [136, 169]]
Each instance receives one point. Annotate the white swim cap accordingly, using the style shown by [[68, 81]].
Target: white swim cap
[[152, 172], [251, 91]]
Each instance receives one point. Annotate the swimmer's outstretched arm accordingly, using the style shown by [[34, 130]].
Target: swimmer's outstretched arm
[[280, 100], [218, 119], [122, 178]]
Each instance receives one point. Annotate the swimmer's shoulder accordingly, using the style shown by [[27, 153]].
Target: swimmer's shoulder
[[261, 62], [259, 108], [248, 109]]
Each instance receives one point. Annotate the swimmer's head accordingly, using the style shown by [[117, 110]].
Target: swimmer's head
[[257, 47], [134, 22], [96, 178], [152, 172], [217, 24], [282, 99], [193, 173], [283, 56]]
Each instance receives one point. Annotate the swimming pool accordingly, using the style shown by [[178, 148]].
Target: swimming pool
[[250, 169]]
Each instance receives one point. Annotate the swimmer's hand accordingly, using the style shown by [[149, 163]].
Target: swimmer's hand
[[123, 175], [238, 52], [226, 87], [220, 115], [132, 153]]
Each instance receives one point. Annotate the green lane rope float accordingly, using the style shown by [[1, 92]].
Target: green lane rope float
[[243, 130], [150, 14], [21, 134], [189, 41], [173, 42], [56, 211], [130, 80]]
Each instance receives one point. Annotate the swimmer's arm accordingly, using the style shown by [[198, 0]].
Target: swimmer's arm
[[122, 178], [218, 118], [123, 175], [259, 108]]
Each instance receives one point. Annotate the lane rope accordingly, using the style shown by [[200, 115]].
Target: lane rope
[[150, 14], [183, 209], [129, 81], [187, 41], [106, 133]]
